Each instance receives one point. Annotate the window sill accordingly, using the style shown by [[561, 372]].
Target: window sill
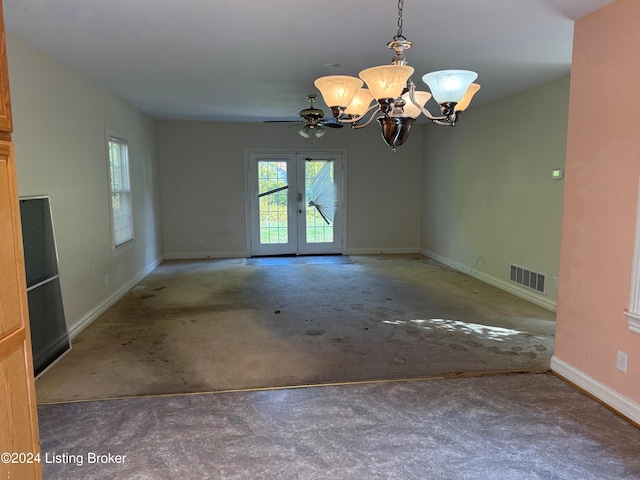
[[633, 321], [122, 248]]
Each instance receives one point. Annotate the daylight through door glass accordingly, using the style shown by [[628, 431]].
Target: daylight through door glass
[[273, 202], [321, 200]]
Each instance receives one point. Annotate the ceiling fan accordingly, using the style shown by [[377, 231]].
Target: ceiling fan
[[312, 121]]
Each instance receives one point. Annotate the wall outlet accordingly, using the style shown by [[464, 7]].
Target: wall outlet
[[385, 237], [621, 362], [199, 240], [106, 279], [555, 282]]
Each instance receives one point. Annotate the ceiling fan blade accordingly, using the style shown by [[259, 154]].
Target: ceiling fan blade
[[331, 124], [281, 121]]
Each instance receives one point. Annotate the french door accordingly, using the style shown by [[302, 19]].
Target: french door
[[295, 203]]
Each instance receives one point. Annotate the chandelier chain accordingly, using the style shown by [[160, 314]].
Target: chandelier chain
[[400, 7]]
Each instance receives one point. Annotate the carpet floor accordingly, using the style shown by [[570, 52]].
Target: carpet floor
[[514, 427], [233, 324]]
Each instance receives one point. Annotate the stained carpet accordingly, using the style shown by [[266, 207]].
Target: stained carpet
[[213, 325]]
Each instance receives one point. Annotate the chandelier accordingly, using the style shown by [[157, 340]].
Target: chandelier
[[391, 96]]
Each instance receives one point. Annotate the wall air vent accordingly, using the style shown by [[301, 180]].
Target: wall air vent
[[535, 281]]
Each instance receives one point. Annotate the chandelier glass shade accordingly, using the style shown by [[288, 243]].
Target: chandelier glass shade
[[391, 97], [462, 105], [360, 103], [448, 86], [338, 89], [411, 110], [387, 81]]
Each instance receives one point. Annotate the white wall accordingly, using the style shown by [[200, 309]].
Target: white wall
[[59, 136], [488, 192], [202, 167]]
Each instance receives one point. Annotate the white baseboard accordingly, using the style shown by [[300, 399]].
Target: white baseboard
[[349, 251], [202, 255], [102, 307], [510, 287], [606, 395], [381, 251]]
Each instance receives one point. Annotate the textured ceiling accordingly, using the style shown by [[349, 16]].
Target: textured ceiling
[[246, 60]]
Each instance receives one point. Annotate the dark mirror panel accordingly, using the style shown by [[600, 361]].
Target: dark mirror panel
[[49, 338], [37, 237], [49, 335]]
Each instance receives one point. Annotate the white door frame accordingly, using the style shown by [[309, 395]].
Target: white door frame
[[248, 196]]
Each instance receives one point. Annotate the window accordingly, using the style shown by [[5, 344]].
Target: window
[[633, 312], [120, 191]]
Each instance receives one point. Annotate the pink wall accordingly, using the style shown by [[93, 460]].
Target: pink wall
[[601, 196]]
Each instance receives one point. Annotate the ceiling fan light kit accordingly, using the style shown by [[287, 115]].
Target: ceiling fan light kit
[[309, 131], [391, 97], [312, 120]]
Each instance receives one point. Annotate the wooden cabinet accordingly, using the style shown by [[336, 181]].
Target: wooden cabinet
[[18, 416]]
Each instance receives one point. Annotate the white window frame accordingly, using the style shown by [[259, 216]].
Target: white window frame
[[633, 312], [114, 136]]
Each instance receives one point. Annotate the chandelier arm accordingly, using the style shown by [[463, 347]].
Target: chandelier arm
[[450, 120], [426, 113], [445, 123], [371, 118], [360, 117]]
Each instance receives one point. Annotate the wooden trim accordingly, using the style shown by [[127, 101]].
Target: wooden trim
[[24, 308], [6, 118]]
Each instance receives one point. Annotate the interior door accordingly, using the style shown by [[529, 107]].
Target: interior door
[[296, 203]]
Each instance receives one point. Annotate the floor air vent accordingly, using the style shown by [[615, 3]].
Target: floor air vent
[[533, 280]]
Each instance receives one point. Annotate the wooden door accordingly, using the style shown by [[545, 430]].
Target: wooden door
[[18, 420], [19, 439]]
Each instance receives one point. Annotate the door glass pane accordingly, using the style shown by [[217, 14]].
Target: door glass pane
[[273, 202], [321, 200]]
